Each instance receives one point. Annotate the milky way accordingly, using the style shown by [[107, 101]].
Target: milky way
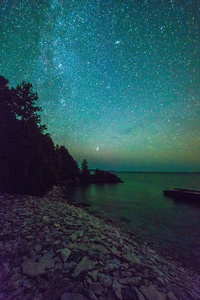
[[118, 81]]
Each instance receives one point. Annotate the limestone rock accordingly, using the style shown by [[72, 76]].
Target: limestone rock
[[72, 296], [47, 260], [111, 266], [65, 253], [96, 288], [91, 296], [85, 264], [74, 236], [17, 294], [151, 292], [132, 258], [108, 295], [93, 275], [105, 280], [28, 283], [79, 246], [133, 281], [132, 294], [171, 296], [116, 285], [115, 251], [57, 225], [38, 268], [98, 247], [114, 263], [33, 268], [139, 295], [118, 293], [38, 248], [81, 233], [46, 219]]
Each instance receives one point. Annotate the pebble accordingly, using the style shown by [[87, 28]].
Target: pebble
[[51, 249]]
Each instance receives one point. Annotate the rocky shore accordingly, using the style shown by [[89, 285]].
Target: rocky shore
[[51, 249]]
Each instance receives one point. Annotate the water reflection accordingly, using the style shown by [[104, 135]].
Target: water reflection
[[138, 204]]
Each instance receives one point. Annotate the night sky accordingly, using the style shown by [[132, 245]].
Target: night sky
[[118, 81]]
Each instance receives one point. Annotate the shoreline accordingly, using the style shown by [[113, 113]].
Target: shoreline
[[122, 226], [182, 249], [118, 224], [53, 249]]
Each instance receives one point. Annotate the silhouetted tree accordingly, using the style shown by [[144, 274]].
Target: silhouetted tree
[[68, 167], [23, 105], [85, 173], [29, 161], [36, 168], [27, 155], [9, 130]]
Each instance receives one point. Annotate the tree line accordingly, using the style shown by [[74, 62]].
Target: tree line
[[30, 163]]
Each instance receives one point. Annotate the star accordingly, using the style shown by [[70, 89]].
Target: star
[[123, 77], [118, 42]]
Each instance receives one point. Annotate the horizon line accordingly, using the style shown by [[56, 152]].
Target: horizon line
[[114, 171]]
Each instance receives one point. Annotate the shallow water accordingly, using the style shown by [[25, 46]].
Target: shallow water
[[138, 205]]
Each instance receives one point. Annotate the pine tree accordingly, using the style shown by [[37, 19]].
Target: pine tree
[[85, 173], [27, 155], [68, 167]]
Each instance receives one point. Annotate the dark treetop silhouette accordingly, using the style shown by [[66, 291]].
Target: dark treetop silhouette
[[30, 163]]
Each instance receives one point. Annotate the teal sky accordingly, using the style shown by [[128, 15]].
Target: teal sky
[[118, 81]]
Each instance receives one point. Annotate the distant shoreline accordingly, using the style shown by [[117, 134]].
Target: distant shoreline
[[151, 172]]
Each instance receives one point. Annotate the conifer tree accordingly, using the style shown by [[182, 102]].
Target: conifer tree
[[27, 155], [85, 173]]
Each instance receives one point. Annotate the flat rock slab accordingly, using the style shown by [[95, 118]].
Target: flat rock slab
[[65, 253], [132, 258], [151, 293], [33, 268], [72, 296], [85, 265], [38, 268]]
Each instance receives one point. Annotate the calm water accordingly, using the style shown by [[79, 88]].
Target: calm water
[[138, 205]]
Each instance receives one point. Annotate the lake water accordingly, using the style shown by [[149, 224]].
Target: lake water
[[138, 205]]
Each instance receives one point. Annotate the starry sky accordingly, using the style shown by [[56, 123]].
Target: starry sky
[[118, 80]]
